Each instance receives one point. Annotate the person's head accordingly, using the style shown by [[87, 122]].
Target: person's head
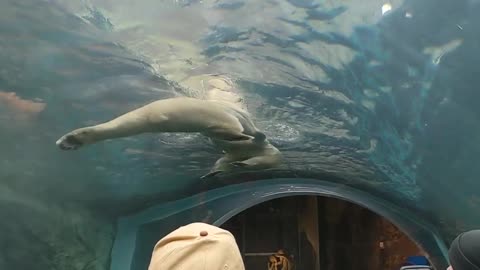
[[197, 246], [464, 253]]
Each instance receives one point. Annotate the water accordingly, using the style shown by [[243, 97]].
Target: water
[[376, 96]]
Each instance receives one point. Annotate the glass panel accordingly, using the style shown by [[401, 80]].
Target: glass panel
[[374, 99]]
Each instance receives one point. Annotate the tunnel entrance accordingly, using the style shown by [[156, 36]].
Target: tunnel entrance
[[320, 233]]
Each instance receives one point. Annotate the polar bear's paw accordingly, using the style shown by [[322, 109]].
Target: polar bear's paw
[[211, 174], [69, 142]]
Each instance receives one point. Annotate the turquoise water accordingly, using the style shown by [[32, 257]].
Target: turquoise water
[[375, 96]]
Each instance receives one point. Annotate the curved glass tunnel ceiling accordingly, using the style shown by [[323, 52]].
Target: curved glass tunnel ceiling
[[376, 96]]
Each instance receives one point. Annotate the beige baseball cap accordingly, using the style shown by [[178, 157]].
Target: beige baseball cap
[[197, 246]]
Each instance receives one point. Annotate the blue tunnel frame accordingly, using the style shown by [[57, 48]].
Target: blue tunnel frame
[[138, 233]]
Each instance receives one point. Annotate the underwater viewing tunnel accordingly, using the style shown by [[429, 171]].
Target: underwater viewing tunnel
[[329, 130], [344, 228]]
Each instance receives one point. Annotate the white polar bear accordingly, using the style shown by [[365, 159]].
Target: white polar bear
[[228, 127]]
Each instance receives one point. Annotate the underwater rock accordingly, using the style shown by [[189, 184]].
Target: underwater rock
[[38, 235]]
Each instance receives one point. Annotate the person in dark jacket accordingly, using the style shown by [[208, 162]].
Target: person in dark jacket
[[464, 252]]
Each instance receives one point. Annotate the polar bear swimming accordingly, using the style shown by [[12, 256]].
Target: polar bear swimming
[[229, 128]]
